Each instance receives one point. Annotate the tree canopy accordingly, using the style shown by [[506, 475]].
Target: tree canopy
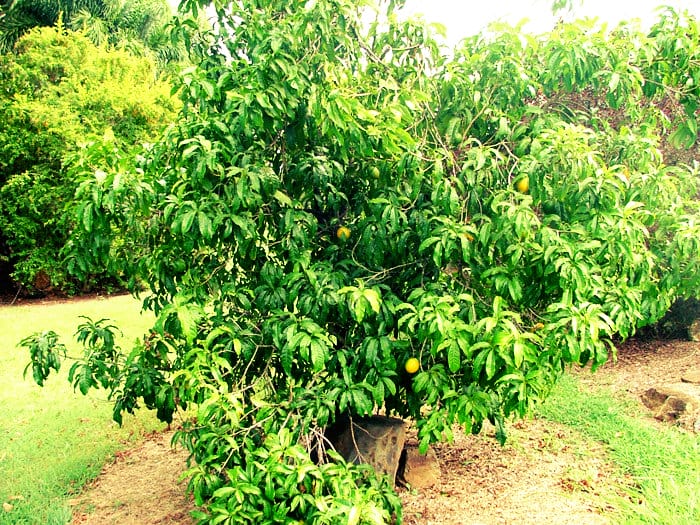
[[138, 25], [337, 199]]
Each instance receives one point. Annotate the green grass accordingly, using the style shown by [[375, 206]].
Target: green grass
[[661, 463], [53, 440]]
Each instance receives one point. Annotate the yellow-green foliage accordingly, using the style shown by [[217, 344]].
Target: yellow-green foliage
[[67, 85], [60, 91]]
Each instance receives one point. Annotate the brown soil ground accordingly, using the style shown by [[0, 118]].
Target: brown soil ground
[[544, 475]]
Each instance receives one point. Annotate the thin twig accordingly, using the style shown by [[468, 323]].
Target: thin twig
[[16, 295]]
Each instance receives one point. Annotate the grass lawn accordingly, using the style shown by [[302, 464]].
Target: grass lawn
[[661, 463], [53, 440]]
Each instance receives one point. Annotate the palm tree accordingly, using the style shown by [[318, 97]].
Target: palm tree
[[134, 24], [18, 16], [125, 23]]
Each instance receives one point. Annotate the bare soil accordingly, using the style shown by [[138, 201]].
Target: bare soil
[[141, 486], [544, 474]]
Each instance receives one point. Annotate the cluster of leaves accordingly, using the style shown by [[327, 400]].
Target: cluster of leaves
[[337, 198], [45, 352], [606, 221], [58, 92]]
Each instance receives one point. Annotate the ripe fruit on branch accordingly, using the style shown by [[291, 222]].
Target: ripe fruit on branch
[[412, 365], [343, 233], [523, 184]]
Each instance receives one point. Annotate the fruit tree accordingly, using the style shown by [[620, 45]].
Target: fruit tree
[[343, 221]]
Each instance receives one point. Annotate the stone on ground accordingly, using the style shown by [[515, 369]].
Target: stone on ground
[[420, 471], [677, 403], [694, 330], [692, 376]]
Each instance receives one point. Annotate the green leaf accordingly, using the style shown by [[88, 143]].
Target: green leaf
[[454, 356], [373, 298], [518, 353], [87, 216], [319, 354], [614, 81], [263, 100], [363, 404], [187, 219], [389, 385], [683, 137], [188, 315], [490, 364], [282, 198], [359, 308], [287, 358], [205, 226], [353, 515], [208, 87]]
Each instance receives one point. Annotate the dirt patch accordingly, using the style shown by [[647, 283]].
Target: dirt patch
[[644, 364], [543, 475], [140, 487], [16, 299], [540, 476]]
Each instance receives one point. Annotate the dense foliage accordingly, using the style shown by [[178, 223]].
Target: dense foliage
[[60, 91], [337, 198], [137, 25]]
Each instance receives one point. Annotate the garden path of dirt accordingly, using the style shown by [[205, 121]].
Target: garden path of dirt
[[544, 474]]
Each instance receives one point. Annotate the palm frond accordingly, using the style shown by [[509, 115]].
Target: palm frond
[[137, 25]]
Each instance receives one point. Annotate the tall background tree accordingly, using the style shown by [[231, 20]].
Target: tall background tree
[[60, 92], [138, 25], [54, 98]]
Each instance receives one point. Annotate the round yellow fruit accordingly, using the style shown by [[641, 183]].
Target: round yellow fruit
[[412, 365], [523, 185], [343, 233]]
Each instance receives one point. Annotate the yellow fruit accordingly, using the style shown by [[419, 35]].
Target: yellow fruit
[[412, 365], [375, 172], [343, 233], [538, 326], [523, 184]]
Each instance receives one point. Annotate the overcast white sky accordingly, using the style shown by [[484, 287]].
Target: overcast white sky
[[468, 17]]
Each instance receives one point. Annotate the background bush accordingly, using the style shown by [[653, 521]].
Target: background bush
[[59, 91]]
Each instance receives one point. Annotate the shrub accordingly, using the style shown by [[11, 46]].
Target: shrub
[[60, 91], [332, 203]]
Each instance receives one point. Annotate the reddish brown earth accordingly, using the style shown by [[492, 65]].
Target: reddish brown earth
[[545, 474]]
